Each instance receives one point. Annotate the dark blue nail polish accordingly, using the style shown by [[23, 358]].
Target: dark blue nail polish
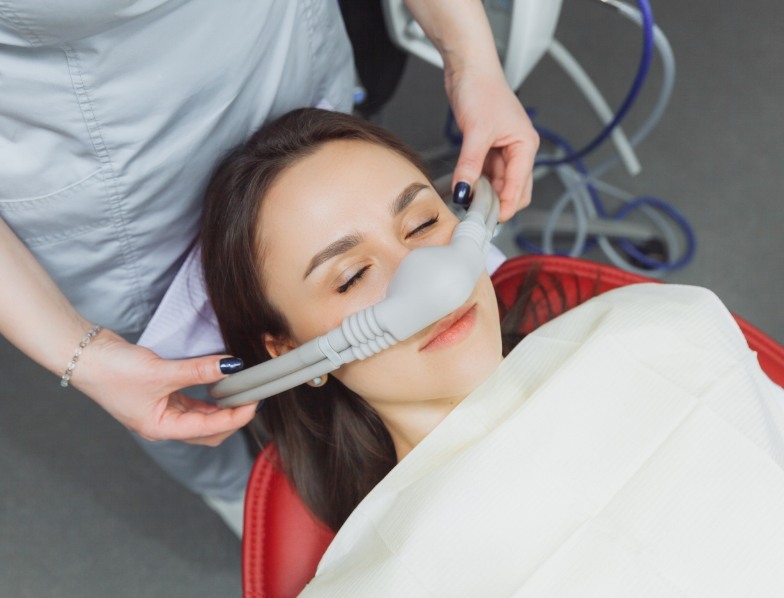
[[260, 405], [461, 194], [229, 365]]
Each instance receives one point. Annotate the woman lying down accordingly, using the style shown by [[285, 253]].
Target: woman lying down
[[631, 447]]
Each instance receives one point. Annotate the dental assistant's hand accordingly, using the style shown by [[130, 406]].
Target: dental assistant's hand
[[498, 137], [499, 140], [132, 383], [140, 390]]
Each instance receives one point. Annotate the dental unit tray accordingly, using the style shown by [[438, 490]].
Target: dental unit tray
[[429, 284]]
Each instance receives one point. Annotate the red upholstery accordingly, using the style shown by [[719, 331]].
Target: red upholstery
[[283, 542]]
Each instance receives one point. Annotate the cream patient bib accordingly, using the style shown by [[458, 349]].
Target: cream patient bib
[[630, 448]]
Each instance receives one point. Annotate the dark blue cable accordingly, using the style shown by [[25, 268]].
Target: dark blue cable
[[631, 96], [631, 250], [626, 246], [578, 164]]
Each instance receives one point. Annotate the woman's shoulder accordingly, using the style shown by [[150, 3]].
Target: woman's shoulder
[[647, 293], [648, 310], [695, 314], [680, 332], [644, 306]]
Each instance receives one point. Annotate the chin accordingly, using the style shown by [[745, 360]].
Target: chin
[[465, 368]]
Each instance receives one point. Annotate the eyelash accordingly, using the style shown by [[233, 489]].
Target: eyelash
[[353, 280], [423, 226], [361, 272]]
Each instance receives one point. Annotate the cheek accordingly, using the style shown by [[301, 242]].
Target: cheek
[[317, 317], [390, 376]]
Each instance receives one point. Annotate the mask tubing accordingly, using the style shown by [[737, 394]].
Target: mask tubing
[[278, 385]]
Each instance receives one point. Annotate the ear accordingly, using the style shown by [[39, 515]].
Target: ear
[[277, 346]]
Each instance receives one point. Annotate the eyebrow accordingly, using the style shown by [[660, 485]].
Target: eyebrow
[[405, 197], [344, 244], [340, 246]]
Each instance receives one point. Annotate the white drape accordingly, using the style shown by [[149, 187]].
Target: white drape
[[630, 448]]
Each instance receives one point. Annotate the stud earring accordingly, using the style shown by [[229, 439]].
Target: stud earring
[[320, 381]]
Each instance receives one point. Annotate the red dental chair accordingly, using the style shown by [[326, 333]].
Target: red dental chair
[[283, 542]]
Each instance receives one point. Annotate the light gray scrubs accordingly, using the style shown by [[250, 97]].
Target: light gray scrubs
[[113, 114]]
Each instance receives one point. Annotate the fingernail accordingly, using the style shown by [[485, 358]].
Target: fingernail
[[229, 365], [259, 406], [462, 191]]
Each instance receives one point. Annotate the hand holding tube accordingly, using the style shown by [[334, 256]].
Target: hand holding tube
[[498, 137], [133, 384], [499, 140], [141, 391]]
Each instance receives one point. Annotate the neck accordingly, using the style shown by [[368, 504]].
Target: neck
[[409, 423]]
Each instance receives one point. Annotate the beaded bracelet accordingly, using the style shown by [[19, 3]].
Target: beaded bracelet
[[66, 378]]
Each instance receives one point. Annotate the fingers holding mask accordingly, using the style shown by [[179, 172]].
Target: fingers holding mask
[[498, 141]]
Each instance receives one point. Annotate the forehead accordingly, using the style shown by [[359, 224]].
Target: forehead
[[341, 185]]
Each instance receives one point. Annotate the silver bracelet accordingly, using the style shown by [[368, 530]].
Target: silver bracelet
[[66, 378]]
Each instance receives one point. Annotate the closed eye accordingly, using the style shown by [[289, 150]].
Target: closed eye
[[353, 280], [422, 227], [361, 272]]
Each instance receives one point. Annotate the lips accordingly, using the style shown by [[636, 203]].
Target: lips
[[451, 327]]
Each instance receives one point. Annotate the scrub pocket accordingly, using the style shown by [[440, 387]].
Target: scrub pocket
[[71, 233], [59, 216]]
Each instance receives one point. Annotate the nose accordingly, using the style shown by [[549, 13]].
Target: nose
[[399, 250]]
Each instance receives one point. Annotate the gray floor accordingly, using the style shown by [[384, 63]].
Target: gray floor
[[84, 513]]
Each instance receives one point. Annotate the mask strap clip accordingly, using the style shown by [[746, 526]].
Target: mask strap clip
[[326, 349]]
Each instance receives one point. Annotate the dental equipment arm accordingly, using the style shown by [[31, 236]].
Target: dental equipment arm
[[430, 283]]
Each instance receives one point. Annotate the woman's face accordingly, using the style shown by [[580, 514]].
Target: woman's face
[[333, 229]]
